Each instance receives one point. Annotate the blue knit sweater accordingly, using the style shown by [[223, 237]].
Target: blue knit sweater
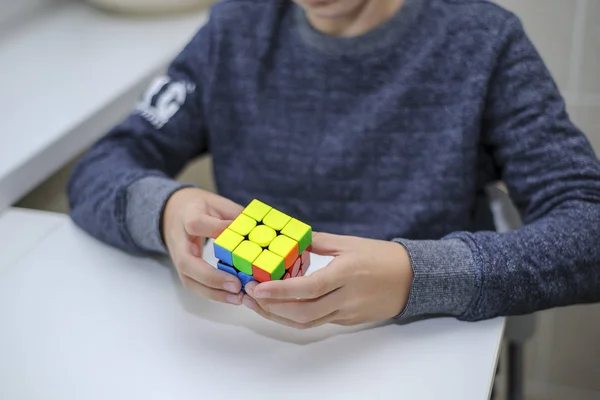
[[391, 135]]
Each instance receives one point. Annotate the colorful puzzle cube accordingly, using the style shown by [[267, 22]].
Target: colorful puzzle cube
[[264, 244]]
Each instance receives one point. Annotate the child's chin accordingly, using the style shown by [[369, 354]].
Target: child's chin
[[327, 9]]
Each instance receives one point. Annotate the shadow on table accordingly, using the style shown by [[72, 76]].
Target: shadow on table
[[240, 316]]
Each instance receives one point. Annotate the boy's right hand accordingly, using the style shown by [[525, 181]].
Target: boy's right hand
[[190, 216]]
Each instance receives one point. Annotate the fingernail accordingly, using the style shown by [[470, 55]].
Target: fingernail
[[249, 288], [230, 287], [233, 299], [249, 303]]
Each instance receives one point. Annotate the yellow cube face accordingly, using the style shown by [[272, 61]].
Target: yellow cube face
[[229, 240], [269, 265], [248, 251], [300, 232], [287, 248], [295, 229], [282, 245], [276, 219], [268, 261], [243, 225], [257, 210], [244, 255], [262, 235]]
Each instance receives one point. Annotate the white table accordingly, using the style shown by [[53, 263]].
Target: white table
[[20, 232], [67, 76], [80, 320]]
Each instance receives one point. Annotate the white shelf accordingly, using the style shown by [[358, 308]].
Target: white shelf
[[66, 77]]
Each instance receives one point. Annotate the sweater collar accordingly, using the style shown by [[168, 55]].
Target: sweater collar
[[384, 36]]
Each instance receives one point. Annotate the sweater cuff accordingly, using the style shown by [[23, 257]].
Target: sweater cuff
[[146, 199], [445, 277]]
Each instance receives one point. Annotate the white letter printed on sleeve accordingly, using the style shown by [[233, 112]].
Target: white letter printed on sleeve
[[163, 99]]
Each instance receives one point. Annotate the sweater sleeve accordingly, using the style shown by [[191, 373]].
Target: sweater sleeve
[[118, 189], [553, 177]]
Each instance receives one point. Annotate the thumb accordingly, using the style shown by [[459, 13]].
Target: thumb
[[206, 226], [327, 244]]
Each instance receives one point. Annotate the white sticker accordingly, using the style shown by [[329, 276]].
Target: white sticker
[[163, 99]]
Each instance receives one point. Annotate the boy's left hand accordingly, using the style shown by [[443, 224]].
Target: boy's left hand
[[368, 280]]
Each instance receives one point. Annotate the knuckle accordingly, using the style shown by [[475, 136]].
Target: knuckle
[[304, 320], [302, 327], [350, 319], [265, 306], [189, 225], [351, 314], [211, 278], [182, 266], [318, 288], [359, 273], [198, 206], [187, 283], [304, 316]]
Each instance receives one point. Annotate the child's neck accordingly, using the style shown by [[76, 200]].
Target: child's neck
[[366, 18]]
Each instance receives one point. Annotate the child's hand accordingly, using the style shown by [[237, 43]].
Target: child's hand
[[191, 216], [368, 280]]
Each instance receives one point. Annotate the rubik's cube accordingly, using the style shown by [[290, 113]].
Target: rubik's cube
[[264, 244]]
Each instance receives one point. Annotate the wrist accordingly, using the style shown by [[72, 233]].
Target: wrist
[[403, 267], [172, 208]]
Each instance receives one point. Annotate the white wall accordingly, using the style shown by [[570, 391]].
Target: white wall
[[563, 358]]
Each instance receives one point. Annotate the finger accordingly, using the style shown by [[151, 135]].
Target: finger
[[254, 306], [204, 225], [303, 311], [251, 286], [220, 296], [196, 246], [207, 275], [313, 286], [224, 208], [327, 244], [345, 322]]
